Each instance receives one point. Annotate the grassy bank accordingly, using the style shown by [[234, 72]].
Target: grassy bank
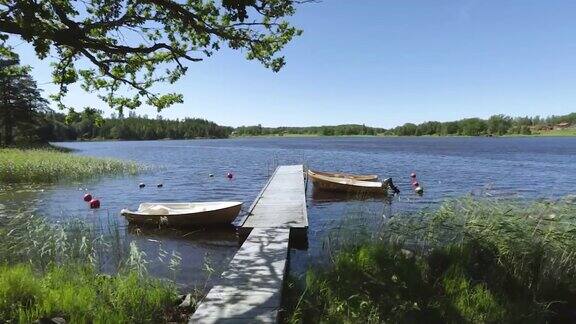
[[80, 295], [469, 261], [50, 165], [557, 132], [49, 271]]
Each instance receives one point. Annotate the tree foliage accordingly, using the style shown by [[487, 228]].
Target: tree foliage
[[134, 44], [349, 129], [21, 103], [90, 125], [495, 125]]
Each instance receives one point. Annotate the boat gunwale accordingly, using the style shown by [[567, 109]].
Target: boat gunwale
[[343, 175], [347, 181], [231, 204]]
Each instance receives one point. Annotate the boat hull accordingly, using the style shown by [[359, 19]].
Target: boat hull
[[336, 184], [221, 217], [338, 187], [361, 177]]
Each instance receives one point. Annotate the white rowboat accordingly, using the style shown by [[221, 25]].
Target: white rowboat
[[184, 214]]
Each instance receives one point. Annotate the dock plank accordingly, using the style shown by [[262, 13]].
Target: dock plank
[[282, 204], [250, 290]]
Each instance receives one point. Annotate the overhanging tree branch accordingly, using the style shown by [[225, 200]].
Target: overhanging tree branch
[[159, 33]]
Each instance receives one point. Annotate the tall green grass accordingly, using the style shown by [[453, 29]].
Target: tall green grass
[[55, 270], [81, 295], [471, 260], [50, 165], [31, 239], [536, 242]]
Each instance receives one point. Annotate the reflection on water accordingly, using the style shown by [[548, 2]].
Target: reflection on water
[[201, 253], [446, 167], [321, 197], [211, 236]]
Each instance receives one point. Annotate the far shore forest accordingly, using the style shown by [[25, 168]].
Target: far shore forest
[[90, 125], [25, 117], [47, 125]]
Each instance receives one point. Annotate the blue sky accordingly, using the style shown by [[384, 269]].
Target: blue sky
[[384, 63]]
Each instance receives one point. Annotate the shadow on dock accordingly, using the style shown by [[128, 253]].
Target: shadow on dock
[[251, 289]]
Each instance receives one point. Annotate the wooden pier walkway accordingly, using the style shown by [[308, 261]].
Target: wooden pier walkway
[[250, 291]]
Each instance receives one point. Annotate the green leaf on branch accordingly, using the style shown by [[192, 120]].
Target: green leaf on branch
[[134, 45]]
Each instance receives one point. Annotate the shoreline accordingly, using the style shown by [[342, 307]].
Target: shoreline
[[317, 136]]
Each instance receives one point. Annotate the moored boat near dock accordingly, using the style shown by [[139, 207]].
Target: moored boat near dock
[[361, 177], [339, 184], [184, 214]]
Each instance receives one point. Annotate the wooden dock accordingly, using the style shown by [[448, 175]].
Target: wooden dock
[[250, 291], [280, 204]]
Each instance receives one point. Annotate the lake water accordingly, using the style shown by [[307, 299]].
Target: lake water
[[525, 168]]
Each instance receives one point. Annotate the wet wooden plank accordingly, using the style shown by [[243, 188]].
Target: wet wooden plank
[[250, 290], [282, 202]]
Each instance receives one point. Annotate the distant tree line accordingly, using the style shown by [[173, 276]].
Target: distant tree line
[[339, 130], [89, 124], [495, 125], [25, 118]]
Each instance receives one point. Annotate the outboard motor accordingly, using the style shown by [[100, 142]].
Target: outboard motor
[[391, 185]]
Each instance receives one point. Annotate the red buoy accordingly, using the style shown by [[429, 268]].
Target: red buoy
[[94, 204], [412, 175], [229, 175], [415, 184], [87, 197]]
